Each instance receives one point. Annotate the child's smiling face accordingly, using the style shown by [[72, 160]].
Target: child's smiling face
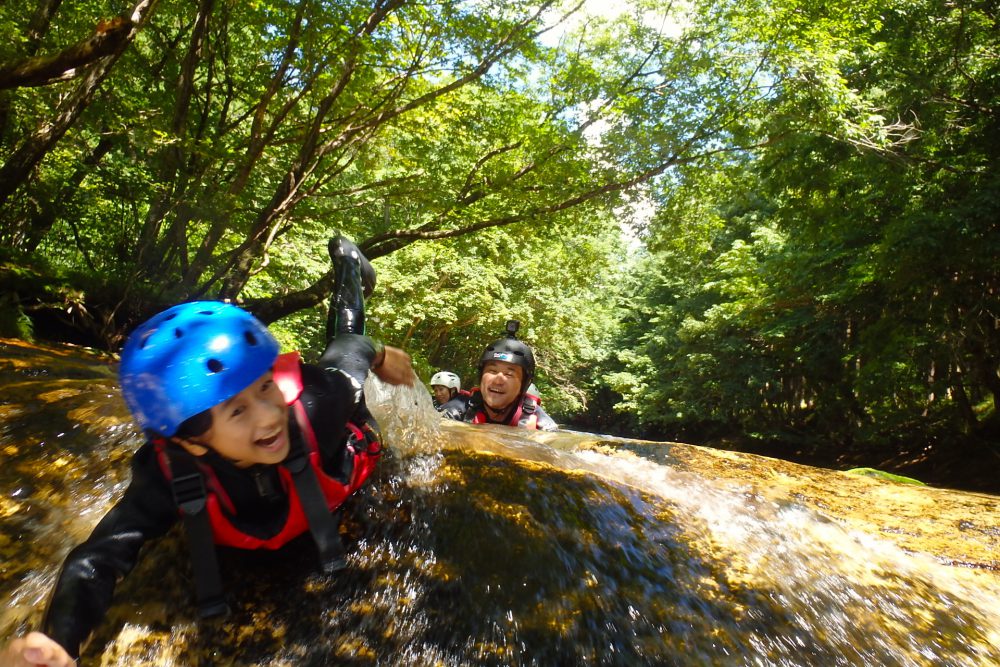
[[252, 426]]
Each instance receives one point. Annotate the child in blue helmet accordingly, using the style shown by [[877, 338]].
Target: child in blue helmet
[[249, 448]]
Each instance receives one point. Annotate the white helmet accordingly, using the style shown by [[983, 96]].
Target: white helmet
[[447, 379]]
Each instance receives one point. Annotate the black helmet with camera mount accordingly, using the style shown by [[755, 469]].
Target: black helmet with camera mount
[[513, 351]]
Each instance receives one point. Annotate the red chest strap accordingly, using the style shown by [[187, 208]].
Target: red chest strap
[[287, 374], [515, 419]]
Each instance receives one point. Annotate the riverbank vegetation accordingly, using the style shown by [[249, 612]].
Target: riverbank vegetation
[[766, 223]]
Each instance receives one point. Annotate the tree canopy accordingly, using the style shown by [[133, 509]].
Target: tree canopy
[[819, 263], [839, 284]]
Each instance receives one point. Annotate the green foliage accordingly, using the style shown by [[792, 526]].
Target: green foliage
[[841, 281], [14, 323], [445, 302], [821, 263]]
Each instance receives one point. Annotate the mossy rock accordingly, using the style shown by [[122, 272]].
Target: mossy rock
[[881, 474], [14, 323]]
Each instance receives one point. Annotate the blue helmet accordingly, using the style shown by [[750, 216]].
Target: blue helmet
[[190, 357]]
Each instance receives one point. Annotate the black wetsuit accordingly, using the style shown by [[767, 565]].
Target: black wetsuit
[[468, 408], [331, 397]]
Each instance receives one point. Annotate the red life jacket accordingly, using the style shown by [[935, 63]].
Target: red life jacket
[[363, 445], [527, 405]]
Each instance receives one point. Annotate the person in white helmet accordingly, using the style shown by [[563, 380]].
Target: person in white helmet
[[445, 386]]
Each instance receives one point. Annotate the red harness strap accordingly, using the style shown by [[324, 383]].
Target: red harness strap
[[531, 422], [334, 491], [363, 445]]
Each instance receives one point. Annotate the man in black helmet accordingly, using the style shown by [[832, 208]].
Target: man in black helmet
[[506, 369]]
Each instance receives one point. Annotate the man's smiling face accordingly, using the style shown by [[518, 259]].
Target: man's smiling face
[[500, 384]]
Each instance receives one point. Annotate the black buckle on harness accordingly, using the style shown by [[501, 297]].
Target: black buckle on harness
[[362, 439], [189, 493]]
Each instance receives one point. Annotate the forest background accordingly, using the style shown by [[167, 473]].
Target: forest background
[[758, 224]]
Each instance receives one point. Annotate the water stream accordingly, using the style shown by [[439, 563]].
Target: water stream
[[495, 546]]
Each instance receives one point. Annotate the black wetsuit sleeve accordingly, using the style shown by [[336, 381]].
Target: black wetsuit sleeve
[[456, 408], [331, 398], [333, 394], [90, 572], [349, 353], [545, 422]]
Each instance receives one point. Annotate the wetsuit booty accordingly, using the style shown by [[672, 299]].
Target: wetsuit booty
[[354, 280], [339, 247]]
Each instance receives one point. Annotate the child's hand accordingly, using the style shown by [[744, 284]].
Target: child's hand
[[35, 649], [395, 368]]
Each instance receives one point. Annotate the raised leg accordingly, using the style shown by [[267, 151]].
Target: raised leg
[[354, 282]]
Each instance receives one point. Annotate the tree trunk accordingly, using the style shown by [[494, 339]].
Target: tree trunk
[[109, 38], [965, 410], [259, 136], [274, 308], [38, 27]]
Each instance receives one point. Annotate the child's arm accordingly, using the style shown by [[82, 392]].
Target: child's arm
[[394, 366], [90, 572], [357, 355]]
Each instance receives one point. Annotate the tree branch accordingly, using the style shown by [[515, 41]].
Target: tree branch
[[108, 37]]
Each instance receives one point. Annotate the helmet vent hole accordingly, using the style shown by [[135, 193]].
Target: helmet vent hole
[[170, 317], [214, 365], [206, 312], [251, 339], [178, 333], [145, 339]]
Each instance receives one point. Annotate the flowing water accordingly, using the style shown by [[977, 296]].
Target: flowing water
[[496, 546]]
